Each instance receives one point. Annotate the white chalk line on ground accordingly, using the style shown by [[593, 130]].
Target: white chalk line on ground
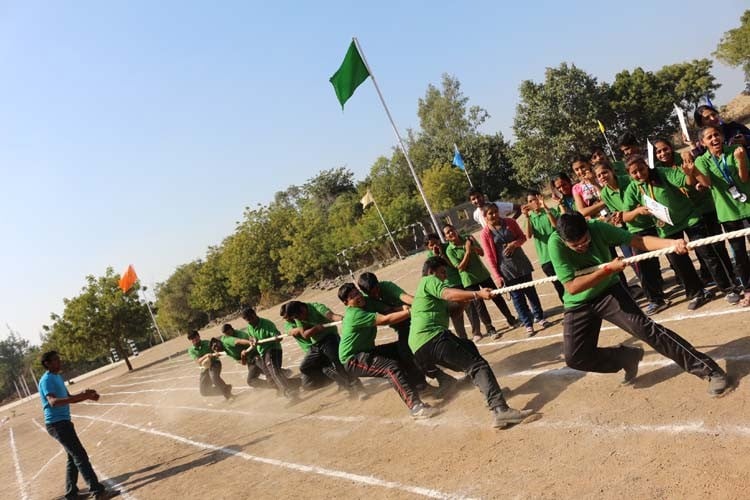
[[307, 469], [112, 485], [39, 426], [17, 465]]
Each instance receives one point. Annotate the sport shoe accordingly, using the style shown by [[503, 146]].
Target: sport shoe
[[477, 338], [512, 322], [491, 332], [696, 302], [508, 416], [717, 384], [655, 307], [733, 297], [530, 331], [542, 324], [633, 356], [422, 411]]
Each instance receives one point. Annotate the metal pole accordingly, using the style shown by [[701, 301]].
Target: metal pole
[[36, 380], [609, 146], [386, 229], [153, 319], [398, 137]]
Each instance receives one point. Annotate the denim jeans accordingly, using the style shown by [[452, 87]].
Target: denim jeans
[[78, 459], [520, 297]]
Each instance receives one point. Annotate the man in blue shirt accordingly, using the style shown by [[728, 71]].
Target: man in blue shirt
[[56, 401]]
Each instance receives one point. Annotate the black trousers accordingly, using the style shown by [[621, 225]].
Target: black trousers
[[581, 327], [497, 299], [462, 355], [256, 366], [211, 383], [649, 273], [741, 261], [272, 363], [549, 270], [714, 256], [78, 460], [321, 365], [383, 362]]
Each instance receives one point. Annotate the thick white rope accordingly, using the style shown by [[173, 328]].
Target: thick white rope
[[741, 233]]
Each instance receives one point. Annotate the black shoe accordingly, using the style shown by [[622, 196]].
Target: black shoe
[[696, 302], [633, 356], [508, 416]]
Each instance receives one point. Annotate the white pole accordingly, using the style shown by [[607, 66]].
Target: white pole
[[386, 229], [25, 385], [153, 319], [609, 146], [400, 142], [36, 380]]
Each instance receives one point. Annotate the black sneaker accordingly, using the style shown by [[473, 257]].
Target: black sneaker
[[696, 302], [508, 416], [491, 332], [633, 356], [655, 307], [717, 384]]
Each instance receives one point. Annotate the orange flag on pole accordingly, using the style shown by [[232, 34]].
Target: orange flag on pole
[[128, 279]]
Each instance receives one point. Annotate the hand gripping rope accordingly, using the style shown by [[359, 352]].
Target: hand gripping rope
[[632, 260]]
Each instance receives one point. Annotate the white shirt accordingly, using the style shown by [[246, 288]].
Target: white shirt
[[504, 208]]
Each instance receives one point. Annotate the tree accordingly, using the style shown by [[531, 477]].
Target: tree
[[488, 161], [324, 188], [13, 363], [210, 291], [556, 119], [444, 185], [173, 300], [689, 82], [734, 48], [99, 318]]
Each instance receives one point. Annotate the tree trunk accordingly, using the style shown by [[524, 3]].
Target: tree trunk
[[123, 352]]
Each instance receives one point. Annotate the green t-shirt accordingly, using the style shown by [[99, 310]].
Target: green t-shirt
[[303, 343], [453, 278], [475, 271], [230, 347], [619, 168], [316, 315], [541, 229], [202, 349], [567, 261], [390, 293], [429, 312], [264, 330], [358, 332], [727, 208], [681, 209], [615, 201]]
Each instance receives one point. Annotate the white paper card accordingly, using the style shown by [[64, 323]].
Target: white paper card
[[650, 148], [683, 122], [657, 210]]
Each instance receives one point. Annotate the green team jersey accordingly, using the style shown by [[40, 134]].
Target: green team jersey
[[541, 230], [667, 192], [453, 278], [727, 208], [303, 343], [390, 294], [264, 330], [475, 271], [316, 315], [567, 261], [358, 332], [230, 347], [429, 312], [201, 350], [615, 201]]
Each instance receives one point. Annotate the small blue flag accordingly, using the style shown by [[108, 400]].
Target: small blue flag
[[708, 101], [457, 160]]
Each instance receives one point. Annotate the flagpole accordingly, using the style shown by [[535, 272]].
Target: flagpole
[[609, 146], [400, 142], [466, 171], [153, 319], [386, 228]]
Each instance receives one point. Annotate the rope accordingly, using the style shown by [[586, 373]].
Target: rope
[[632, 260]]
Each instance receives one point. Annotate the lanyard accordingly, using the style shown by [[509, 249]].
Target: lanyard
[[723, 169]]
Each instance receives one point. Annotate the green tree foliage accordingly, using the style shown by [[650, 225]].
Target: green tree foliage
[[14, 363], [734, 48], [210, 291], [444, 185], [173, 300], [487, 159], [556, 118], [99, 318]]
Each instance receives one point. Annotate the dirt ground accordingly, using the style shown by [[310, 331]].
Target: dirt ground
[[153, 436]]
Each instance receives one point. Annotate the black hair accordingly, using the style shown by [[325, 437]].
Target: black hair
[[294, 308], [432, 264], [367, 282], [192, 334], [627, 139], [698, 113], [560, 175], [602, 164], [533, 192], [572, 226], [432, 236], [473, 190], [47, 357], [214, 342], [248, 313], [345, 290], [665, 141], [487, 206], [579, 157], [594, 148], [282, 310], [629, 160], [227, 329]]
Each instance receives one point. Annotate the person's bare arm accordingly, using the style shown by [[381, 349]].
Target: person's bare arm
[[740, 154], [72, 398], [457, 295], [391, 318]]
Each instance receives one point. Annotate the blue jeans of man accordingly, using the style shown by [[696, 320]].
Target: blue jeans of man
[[78, 459]]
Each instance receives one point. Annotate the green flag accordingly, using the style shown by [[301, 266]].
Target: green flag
[[350, 75]]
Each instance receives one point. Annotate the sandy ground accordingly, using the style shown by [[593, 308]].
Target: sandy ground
[[153, 436]]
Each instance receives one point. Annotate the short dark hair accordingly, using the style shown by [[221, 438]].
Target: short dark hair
[[487, 206], [248, 313], [473, 191], [227, 329], [294, 308], [433, 264], [596, 148], [47, 357], [572, 227], [533, 192], [560, 175], [664, 140], [601, 164], [705, 129], [345, 290], [627, 139], [432, 236], [192, 334], [367, 282], [579, 157], [282, 310], [698, 113]]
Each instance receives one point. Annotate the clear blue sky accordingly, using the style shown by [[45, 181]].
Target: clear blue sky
[[136, 132]]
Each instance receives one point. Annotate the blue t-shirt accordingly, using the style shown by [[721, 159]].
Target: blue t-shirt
[[51, 383]]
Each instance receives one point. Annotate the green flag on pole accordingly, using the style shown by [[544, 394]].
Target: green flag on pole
[[350, 75]]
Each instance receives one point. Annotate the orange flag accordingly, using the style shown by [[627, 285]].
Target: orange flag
[[128, 279]]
